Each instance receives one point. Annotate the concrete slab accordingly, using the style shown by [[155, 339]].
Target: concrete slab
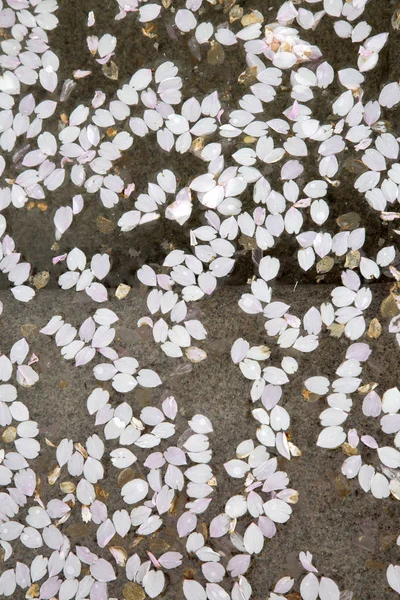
[[351, 534]]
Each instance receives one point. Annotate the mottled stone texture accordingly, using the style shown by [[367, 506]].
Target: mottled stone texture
[[351, 534]]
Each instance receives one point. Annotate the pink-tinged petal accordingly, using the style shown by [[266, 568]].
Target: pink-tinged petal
[[267, 527], [97, 292], [238, 564], [102, 571], [98, 591], [306, 561], [186, 524], [22, 575], [216, 592], [26, 376], [192, 590], [100, 265], [219, 526], [85, 555], [105, 533], [214, 572], [328, 590], [309, 587], [291, 170], [358, 351], [77, 204], [239, 350], [58, 259], [372, 405], [284, 585], [170, 560], [393, 577], [62, 220], [170, 407], [50, 588], [84, 356], [23, 293]]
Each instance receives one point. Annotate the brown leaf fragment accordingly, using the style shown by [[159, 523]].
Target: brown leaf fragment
[[29, 331], [348, 221], [353, 259], [325, 264], [105, 225], [133, 591], [54, 475], [40, 280], [349, 450], [367, 388], [389, 308], [9, 435], [120, 555], [252, 17], [111, 132], [235, 13], [101, 493], [248, 77], [136, 541], [216, 54], [110, 70], [247, 242], [374, 329], [81, 450], [159, 545], [387, 541], [122, 291], [77, 531], [189, 573], [342, 486], [67, 487], [309, 396], [197, 145], [336, 330], [125, 476], [33, 591], [395, 20], [375, 565]]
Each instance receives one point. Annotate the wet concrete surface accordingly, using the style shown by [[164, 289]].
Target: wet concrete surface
[[351, 534], [33, 229]]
